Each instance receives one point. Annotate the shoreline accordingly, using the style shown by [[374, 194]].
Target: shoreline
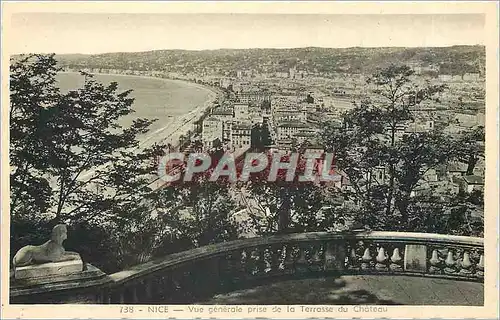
[[179, 125]]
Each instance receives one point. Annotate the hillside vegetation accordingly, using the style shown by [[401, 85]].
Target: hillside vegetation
[[450, 60]]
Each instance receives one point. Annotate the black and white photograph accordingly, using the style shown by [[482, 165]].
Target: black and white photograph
[[247, 163]]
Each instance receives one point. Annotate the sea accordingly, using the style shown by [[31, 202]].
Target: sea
[[166, 100]]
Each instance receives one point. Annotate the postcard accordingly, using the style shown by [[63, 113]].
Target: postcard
[[249, 160]]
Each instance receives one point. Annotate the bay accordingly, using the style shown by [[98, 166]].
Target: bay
[[171, 102]]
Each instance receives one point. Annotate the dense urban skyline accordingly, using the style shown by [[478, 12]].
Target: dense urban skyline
[[64, 33]]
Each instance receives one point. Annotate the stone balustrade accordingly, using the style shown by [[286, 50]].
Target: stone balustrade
[[197, 274]]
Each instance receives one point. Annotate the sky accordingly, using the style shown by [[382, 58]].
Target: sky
[[91, 33]]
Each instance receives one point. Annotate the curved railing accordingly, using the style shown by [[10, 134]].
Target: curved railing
[[200, 273]]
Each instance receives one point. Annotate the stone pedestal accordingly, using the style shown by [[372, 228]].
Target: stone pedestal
[[83, 286], [50, 269]]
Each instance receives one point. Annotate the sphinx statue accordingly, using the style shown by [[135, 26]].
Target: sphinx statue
[[50, 251]]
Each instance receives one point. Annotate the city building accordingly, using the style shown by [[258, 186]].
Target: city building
[[225, 82], [212, 130], [241, 110], [290, 114], [241, 135], [472, 183], [223, 114], [420, 125], [252, 97], [289, 129]]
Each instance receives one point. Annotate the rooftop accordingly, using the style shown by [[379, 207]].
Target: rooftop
[[457, 167], [222, 112], [293, 124], [242, 126], [211, 119], [474, 180]]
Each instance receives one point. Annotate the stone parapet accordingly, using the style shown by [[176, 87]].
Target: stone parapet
[[199, 273], [76, 287]]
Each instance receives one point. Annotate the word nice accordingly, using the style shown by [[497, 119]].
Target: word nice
[[296, 167]]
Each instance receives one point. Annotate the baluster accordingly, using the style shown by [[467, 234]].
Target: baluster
[[244, 265], [450, 263], [227, 270], [103, 299], [366, 259], [233, 268], [435, 262], [282, 259], [301, 265], [249, 263], [334, 256], [381, 260], [466, 264], [206, 278], [133, 289], [146, 284], [353, 260], [121, 297], [114, 297], [264, 261], [316, 259], [98, 298], [255, 260], [174, 289], [240, 265], [480, 267], [289, 263], [215, 272], [101, 295], [187, 282], [107, 296], [162, 291], [275, 252], [396, 260]]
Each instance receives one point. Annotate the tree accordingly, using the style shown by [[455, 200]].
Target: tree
[[283, 206], [260, 137], [309, 99], [79, 142], [71, 160], [32, 87], [197, 212], [383, 165], [470, 147]]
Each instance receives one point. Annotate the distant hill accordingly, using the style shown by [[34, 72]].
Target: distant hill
[[451, 60]]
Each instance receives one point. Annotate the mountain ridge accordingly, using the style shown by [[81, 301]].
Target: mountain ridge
[[457, 59]]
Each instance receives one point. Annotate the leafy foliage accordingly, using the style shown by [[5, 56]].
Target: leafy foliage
[[287, 205], [385, 166], [452, 60], [73, 162]]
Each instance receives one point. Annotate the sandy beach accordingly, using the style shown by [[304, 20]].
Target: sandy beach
[[179, 126]]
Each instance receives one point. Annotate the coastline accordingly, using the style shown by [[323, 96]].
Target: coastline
[[186, 82], [180, 125]]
